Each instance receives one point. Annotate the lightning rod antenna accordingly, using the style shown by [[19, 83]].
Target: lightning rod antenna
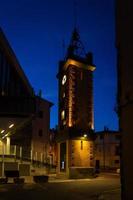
[[75, 13]]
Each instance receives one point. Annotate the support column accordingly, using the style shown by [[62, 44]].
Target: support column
[[8, 145], [15, 151], [58, 159], [20, 152], [67, 158], [31, 156]]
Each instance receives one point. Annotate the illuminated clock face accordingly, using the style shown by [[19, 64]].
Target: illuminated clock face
[[64, 79]]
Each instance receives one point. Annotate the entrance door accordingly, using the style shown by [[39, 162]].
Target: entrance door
[[97, 166], [63, 157]]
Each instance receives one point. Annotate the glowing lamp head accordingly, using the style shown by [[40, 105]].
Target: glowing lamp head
[[11, 125], [2, 131], [85, 135]]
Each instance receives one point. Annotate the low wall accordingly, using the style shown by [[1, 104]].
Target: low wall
[[12, 166], [78, 173], [24, 169]]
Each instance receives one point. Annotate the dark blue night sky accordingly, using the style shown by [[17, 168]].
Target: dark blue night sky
[[36, 30]]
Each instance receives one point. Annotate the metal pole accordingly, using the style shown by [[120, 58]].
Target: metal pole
[[36, 157], [15, 153], [3, 152], [41, 158], [20, 151], [31, 156]]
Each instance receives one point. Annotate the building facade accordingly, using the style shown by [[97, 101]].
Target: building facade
[[75, 78], [24, 116], [41, 131], [107, 150]]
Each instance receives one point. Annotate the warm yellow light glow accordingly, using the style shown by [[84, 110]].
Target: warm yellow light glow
[[64, 122], [71, 94], [64, 79], [11, 125], [85, 135], [63, 115], [5, 136], [2, 131], [79, 64]]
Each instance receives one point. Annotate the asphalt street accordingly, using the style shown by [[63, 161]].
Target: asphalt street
[[103, 187]]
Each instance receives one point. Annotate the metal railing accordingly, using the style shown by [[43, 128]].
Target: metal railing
[[25, 154]]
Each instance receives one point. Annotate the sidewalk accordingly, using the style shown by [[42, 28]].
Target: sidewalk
[[110, 195]]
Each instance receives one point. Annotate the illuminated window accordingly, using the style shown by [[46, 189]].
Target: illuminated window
[[64, 122], [62, 165], [63, 115], [64, 79], [64, 95]]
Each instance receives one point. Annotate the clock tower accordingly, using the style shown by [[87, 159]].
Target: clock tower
[[75, 114]]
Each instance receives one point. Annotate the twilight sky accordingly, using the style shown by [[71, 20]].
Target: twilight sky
[[36, 30]]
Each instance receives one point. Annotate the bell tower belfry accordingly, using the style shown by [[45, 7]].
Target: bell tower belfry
[[75, 111]]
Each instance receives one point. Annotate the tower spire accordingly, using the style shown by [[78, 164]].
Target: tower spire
[[76, 47]]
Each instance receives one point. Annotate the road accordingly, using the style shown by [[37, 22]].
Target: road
[[103, 187]]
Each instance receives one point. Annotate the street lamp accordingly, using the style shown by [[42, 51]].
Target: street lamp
[[5, 136], [11, 125], [2, 131], [85, 135]]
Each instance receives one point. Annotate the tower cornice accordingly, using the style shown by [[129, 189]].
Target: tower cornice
[[79, 65]]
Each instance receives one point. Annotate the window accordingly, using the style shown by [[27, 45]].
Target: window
[[51, 137], [117, 150], [64, 79], [40, 133], [64, 95], [101, 136], [62, 165], [72, 148], [100, 149], [91, 158], [40, 114], [81, 145], [63, 115], [64, 122], [117, 161], [117, 137]]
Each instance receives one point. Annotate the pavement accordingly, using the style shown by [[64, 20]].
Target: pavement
[[104, 187], [111, 194]]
